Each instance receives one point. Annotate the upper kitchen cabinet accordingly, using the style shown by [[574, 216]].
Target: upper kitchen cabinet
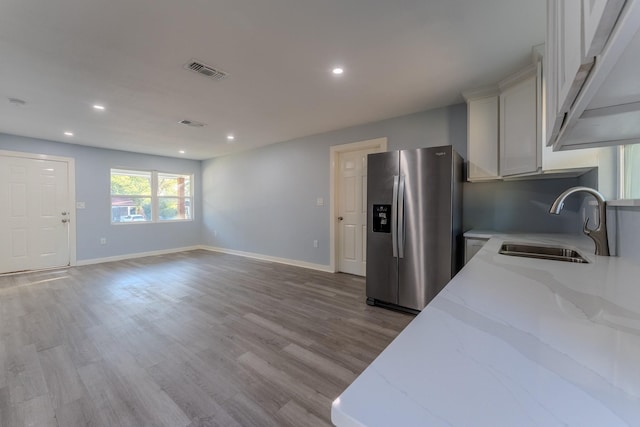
[[482, 134], [520, 143], [591, 86], [598, 19], [506, 131]]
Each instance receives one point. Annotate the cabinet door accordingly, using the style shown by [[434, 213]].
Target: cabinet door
[[598, 19], [519, 128], [571, 72], [471, 247], [482, 148], [552, 117]]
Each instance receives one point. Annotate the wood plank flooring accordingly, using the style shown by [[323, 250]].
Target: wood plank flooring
[[189, 339]]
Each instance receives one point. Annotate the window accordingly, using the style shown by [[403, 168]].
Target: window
[[174, 197], [630, 172], [150, 196]]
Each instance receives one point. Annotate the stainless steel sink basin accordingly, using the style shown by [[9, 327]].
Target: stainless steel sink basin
[[554, 253]]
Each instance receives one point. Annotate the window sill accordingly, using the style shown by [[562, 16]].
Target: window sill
[[172, 221], [624, 202]]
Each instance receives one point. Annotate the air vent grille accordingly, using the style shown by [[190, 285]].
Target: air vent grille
[[205, 70], [191, 123]]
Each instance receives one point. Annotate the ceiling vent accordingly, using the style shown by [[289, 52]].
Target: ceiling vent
[[205, 70], [17, 102], [192, 123]]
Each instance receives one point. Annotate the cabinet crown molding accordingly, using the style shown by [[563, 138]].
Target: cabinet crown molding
[[483, 92], [517, 77]]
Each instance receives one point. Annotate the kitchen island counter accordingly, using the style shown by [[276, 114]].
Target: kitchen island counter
[[513, 341]]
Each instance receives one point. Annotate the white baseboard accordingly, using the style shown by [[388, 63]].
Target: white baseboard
[[135, 255], [293, 262], [262, 257]]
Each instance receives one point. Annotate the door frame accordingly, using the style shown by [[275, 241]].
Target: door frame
[[334, 156], [71, 177]]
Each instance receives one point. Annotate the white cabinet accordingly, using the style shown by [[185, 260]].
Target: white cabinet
[[586, 40], [569, 58], [520, 142], [598, 18], [505, 139], [571, 68], [552, 116], [471, 247], [482, 136]]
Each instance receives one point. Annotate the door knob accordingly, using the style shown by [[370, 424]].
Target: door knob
[[340, 218]]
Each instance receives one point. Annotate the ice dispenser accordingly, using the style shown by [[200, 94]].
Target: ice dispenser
[[382, 218]]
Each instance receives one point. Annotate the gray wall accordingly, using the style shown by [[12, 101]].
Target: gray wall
[[264, 201], [520, 206], [93, 187]]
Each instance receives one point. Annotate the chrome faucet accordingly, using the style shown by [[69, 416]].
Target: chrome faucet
[[599, 234]]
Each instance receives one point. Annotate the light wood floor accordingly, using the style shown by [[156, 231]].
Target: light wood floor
[[189, 339]]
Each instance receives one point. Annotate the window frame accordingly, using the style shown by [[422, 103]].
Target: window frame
[[622, 188], [154, 196]]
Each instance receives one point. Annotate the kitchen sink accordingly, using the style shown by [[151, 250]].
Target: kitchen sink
[[554, 253]]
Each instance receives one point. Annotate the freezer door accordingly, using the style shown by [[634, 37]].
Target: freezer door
[[382, 266], [425, 242]]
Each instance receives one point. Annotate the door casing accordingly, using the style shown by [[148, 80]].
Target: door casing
[[71, 192], [380, 144]]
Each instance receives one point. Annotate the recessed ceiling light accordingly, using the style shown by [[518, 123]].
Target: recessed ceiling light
[[68, 133], [98, 107], [181, 151], [230, 137], [337, 71]]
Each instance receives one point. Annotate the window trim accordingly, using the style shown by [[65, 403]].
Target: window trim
[[622, 200], [155, 198]]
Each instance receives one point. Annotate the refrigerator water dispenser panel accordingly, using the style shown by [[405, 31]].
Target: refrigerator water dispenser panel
[[382, 218]]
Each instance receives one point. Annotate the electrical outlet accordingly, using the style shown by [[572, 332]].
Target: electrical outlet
[[103, 240], [315, 243]]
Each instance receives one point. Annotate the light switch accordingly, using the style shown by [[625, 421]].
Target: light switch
[[79, 205], [319, 201]]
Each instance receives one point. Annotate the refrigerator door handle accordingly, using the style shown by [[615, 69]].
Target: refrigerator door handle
[[394, 216], [400, 232]]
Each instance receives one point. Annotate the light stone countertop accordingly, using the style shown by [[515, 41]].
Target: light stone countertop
[[513, 341]]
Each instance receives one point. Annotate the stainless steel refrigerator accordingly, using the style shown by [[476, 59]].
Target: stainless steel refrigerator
[[414, 225]]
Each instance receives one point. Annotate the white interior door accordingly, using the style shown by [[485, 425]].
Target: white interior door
[[352, 211], [35, 214]]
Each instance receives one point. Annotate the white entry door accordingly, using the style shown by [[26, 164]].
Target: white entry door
[[35, 214], [352, 211]]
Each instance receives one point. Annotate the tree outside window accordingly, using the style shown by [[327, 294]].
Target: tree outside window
[[150, 196], [174, 197]]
